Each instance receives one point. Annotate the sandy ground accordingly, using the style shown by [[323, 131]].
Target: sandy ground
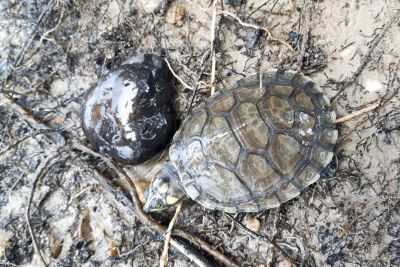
[[52, 52]]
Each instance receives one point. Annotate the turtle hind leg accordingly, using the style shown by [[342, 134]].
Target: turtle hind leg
[[331, 168]]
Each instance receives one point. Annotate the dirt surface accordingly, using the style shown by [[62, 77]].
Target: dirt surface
[[55, 206]]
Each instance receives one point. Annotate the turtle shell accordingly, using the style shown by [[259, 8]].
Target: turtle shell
[[256, 145]]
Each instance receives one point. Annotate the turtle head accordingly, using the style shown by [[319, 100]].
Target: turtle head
[[164, 191]]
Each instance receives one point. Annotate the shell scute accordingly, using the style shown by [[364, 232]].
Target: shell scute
[[269, 202], [250, 126], [284, 77], [328, 136], [307, 176], [250, 80], [279, 111], [305, 124], [328, 117], [251, 206], [281, 90], [285, 152], [196, 124], [259, 175], [278, 77], [193, 191], [302, 100], [223, 104], [217, 177], [220, 142], [321, 156], [288, 192], [321, 102], [250, 93], [194, 151]]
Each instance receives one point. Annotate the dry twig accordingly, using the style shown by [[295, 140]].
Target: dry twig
[[203, 60], [41, 171], [7, 263], [358, 113], [164, 255], [28, 43], [212, 43], [177, 77], [269, 34], [362, 111], [306, 25]]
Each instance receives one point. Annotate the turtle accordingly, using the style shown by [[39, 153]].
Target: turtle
[[250, 147]]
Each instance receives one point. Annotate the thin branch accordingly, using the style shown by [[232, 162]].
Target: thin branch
[[362, 111], [304, 36], [44, 36], [249, 25], [204, 58], [28, 43], [7, 263], [41, 171], [177, 77], [164, 255], [358, 113], [212, 43], [18, 142]]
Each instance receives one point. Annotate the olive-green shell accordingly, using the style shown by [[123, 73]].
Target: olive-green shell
[[256, 145]]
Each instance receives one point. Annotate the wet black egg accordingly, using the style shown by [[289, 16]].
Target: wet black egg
[[129, 114]]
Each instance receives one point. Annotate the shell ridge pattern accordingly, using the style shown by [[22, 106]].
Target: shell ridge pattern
[[290, 178], [265, 119], [322, 106], [260, 153], [284, 179], [205, 123], [236, 175], [242, 172], [279, 198], [270, 138], [208, 118], [235, 135], [313, 142]]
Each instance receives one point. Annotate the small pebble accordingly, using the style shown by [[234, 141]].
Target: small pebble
[[113, 251], [153, 6], [84, 229], [253, 224], [57, 120], [175, 14]]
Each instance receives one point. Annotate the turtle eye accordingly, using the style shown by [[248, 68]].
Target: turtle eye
[[158, 205]]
